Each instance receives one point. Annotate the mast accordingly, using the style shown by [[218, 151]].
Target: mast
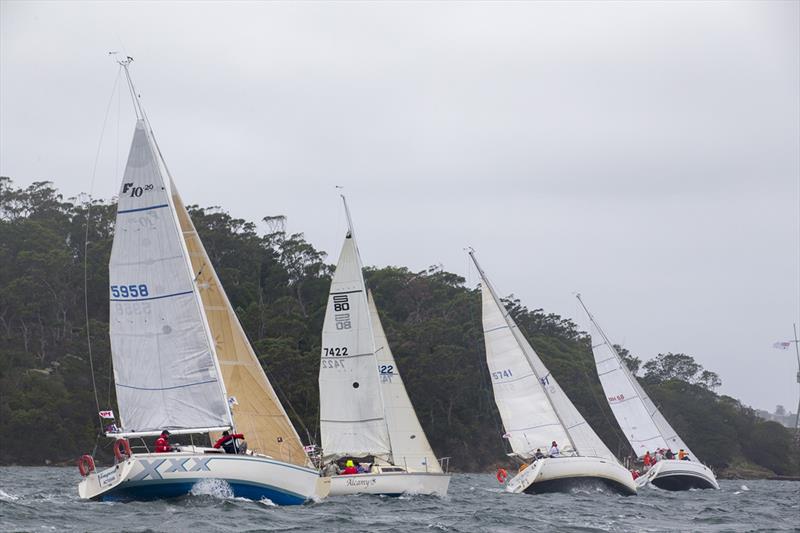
[[507, 317], [141, 115]]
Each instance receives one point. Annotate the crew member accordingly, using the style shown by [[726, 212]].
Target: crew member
[[350, 468], [162, 443], [228, 442], [554, 450], [648, 461]]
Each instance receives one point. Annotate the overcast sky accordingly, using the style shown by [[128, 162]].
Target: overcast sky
[[645, 154]]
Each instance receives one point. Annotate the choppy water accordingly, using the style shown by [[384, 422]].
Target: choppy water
[[45, 499]]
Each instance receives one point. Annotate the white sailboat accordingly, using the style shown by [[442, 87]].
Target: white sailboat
[[642, 423], [365, 413], [181, 360], [536, 412]]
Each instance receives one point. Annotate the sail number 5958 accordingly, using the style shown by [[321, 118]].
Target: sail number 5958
[[129, 291]]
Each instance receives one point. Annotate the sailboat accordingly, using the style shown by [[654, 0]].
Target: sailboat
[[536, 413], [643, 424], [366, 415], [182, 361]]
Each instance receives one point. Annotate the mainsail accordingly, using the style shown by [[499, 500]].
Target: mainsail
[[534, 409], [165, 370], [257, 411], [410, 446], [643, 424], [352, 419]]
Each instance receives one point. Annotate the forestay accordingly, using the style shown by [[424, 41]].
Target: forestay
[[643, 424], [410, 447], [351, 408], [164, 366], [534, 408], [257, 411]]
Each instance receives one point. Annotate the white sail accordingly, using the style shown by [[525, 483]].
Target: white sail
[[410, 447], [534, 409], [352, 419], [164, 365], [642, 423]]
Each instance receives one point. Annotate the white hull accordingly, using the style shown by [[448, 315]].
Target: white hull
[[391, 484], [672, 474], [565, 473], [165, 475]]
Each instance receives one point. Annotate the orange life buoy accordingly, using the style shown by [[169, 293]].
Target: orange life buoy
[[122, 449], [502, 475], [86, 465]]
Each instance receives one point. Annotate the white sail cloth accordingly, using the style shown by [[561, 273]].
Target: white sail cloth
[[164, 366], [643, 424], [410, 447], [352, 421], [534, 409]]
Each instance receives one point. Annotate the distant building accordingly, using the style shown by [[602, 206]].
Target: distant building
[[780, 416]]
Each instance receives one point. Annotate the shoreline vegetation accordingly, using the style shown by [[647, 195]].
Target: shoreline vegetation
[[278, 283]]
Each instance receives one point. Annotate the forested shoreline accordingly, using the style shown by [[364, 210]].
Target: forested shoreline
[[278, 283]]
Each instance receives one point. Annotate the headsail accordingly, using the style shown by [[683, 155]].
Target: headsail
[[351, 407], [164, 365], [410, 446], [643, 424], [534, 408], [257, 411]]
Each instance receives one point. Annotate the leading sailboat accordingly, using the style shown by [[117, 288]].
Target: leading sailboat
[[643, 424], [536, 413], [366, 416], [182, 362]]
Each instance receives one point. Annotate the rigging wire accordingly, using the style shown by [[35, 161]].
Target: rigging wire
[[86, 253]]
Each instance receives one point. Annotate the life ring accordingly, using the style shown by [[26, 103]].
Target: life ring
[[122, 449], [86, 465], [502, 475]]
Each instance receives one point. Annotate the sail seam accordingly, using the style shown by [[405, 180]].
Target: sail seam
[[346, 292], [347, 356], [153, 298], [167, 388], [142, 209]]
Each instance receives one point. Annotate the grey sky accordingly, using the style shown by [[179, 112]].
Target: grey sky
[[645, 154]]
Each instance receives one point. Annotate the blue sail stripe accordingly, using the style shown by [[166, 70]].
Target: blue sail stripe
[[119, 212], [151, 298]]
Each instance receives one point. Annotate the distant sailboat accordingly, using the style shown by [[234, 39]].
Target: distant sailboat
[[182, 362], [643, 424], [536, 412], [366, 415]]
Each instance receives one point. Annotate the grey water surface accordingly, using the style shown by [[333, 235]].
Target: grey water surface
[[46, 499]]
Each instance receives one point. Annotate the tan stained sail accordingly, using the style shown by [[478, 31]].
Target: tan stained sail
[[257, 413]]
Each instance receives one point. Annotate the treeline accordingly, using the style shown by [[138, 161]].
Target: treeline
[[278, 284]]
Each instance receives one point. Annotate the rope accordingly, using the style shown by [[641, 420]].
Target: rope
[[86, 255]]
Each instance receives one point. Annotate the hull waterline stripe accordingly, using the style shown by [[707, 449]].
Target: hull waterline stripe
[[142, 209], [153, 298]]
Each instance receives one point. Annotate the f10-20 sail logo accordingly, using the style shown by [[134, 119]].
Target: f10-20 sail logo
[[134, 190]]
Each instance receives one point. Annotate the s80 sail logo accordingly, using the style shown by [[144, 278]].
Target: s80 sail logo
[[129, 291]]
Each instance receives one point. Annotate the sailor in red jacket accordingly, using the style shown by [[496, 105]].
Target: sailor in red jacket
[[228, 442], [162, 443]]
